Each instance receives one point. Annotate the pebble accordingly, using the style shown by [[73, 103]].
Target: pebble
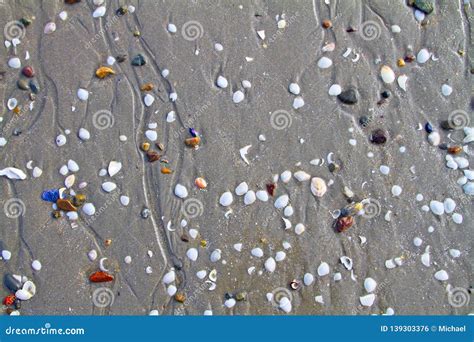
[[441, 275], [457, 218], [82, 94], [171, 290], [396, 190], [114, 168], [299, 229], [148, 100], [249, 197], [370, 285], [222, 82], [238, 96], [434, 138], [449, 205], [387, 74], [298, 102], [335, 90], [323, 269], [3, 141], [285, 305], [192, 254], [151, 135], [61, 140], [318, 187], [469, 188], [92, 255], [180, 191], [6, 255], [14, 63], [446, 90], [461, 162], [395, 29], [308, 279], [367, 300], [324, 63], [109, 186], [262, 195], [63, 15], [218, 47], [288, 211], [139, 60], [124, 200], [281, 201], [270, 265], [99, 12], [384, 169], [285, 176], [72, 166], [302, 176], [172, 28], [88, 209], [216, 255], [349, 96], [417, 241], [241, 189], [238, 247], [437, 208], [37, 172], [423, 56], [455, 253], [226, 199], [294, 88], [128, 259], [230, 303], [84, 134], [257, 252], [280, 256], [36, 265]]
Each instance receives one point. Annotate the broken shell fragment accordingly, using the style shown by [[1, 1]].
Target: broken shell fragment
[[192, 142], [103, 72]]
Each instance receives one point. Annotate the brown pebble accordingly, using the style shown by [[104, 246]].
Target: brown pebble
[[23, 85], [344, 223], [454, 150], [145, 147], [28, 72], [65, 204], [180, 297], [107, 242], [185, 238], [147, 87], [152, 156], [327, 23], [165, 170]]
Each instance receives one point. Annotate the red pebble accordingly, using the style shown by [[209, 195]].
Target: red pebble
[[9, 300], [271, 188], [101, 277], [28, 71]]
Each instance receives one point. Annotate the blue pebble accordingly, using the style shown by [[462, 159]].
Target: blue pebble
[[50, 195], [428, 128]]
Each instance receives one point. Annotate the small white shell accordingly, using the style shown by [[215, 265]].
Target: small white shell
[[318, 187], [238, 247], [282, 201], [180, 191], [299, 229], [262, 195], [285, 176], [88, 209], [324, 63], [69, 181], [270, 265], [249, 197], [308, 279], [114, 168], [222, 82], [370, 285], [169, 277], [216, 255], [298, 102], [323, 269], [49, 28], [82, 94], [238, 96], [92, 255], [302, 176], [367, 300], [257, 252], [226, 199], [148, 100], [335, 90], [36, 265], [280, 256], [347, 262], [402, 82], [84, 134], [192, 254], [99, 12], [441, 275], [423, 56], [387, 74], [102, 266], [241, 189], [109, 186], [294, 88]]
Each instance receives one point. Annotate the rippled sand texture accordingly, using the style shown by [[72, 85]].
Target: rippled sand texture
[[67, 60]]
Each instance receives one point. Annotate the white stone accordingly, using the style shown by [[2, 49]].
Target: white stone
[[437, 208], [370, 285], [151, 135], [61, 140], [455, 253], [128, 259], [82, 94], [257, 252], [270, 265], [14, 63], [109, 186], [148, 100], [441, 275], [230, 303], [246, 84], [72, 166], [192, 254], [6, 255], [469, 188], [299, 229], [280, 256], [84, 134], [238, 96], [308, 279], [226, 199], [180, 191], [114, 168], [201, 274], [323, 269], [462, 162], [301, 176], [171, 117], [92, 255], [241, 189], [222, 82], [285, 304], [171, 290], [36, 265], [288, 211], [294, 88], [282, 201], [395, 29], [446, 90], [262, 195], [419, 16], [324, 63], [298, 102], [367, 300], [457, 218], [387, 74], [3, 141], [384, 169], [423, 56], [238, 247], [469, 174], [417, 241], [396, 190], [216, 255], [335, 90], [88, 209], [218, 47], [172, 28], [99, 12], [285, 176], [37, 172], [249, 197], [449, 205], [124, 200]]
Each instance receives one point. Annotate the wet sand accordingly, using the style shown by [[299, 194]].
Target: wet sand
[[66, 60]]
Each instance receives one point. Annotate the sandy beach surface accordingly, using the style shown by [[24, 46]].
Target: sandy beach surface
[[325, 102]]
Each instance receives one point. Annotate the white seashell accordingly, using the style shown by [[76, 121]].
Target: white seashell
[[262, 195], [193, 233], [88, 209], [390, 264], [402, 82], [367, 300], [423, 56], [173, 97], [216, 255], [437, 208], [171, 290], [468, 188], [99, 12], [192, 254], [171, 117], [12, 103], [417, 242], [61, 140], [241, 189], [335, 90], [111, 60], [301, 176], [169, 277], [82, 94], [148, 100], [449, 205], [149, 270], [308, 279], [286, 245], [23, 294], [151, 135], [72, 215], [384, 169], [37, 172], [370, 285], [102, 265], [298, 102], [387, 74], [441, 275], [323, 269], [180, 191], [251, 270], [457, 218], [446, 90], [395, 29], [109, 186], [287, 223], [285, 305], [222, 82], [288, 211], [84, 134], [396, 190], [6, 255], [246, 84], [226, 199], [49, 28], [324, 63], [238, 96], [299, 229], [102, 172], [13, 173], [153, 313], [238, 247], [69, 181], [294, 88], [172, 28], [328, 47], [398, 261], [201, 274], [337, 276], [230, 303], [249, 197], [347, 262], [426, 259], [469, 174], [455, 253], [124, 200], [14, 63], [319, 299], [318, 187], [243, 153], [114, 168], [92, 255], [270, 265], [281, 201], [462, 162], [257, 252]]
